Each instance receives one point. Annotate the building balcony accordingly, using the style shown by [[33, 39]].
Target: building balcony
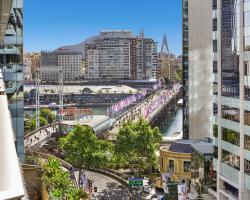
[[247, 103], [215, 78], [215, 35], [246, 154], [228, 194], [230, 148], [235, 126], [215, 99], [215, 164], [215, 56], [230, 173], [214, 13], [231, 102], [247, 130], [11, 68], [13, 50], [215, 120], [15, 87], [13, 40], [246, 56], [215, 141], [247, 181]]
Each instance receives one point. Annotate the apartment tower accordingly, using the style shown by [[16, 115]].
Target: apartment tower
[[197, 69], [231, 124]]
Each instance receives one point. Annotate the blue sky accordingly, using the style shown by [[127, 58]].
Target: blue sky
[[50, 24]]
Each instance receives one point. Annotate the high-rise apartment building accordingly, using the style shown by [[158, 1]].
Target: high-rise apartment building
[[231, 67], [167, 66], [27, 75], [115, 55], [71, 63], [11, 63], [197, 69], [35, 59]]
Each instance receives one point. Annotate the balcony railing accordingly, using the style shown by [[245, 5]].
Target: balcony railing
[[215, 163], [230, 147], [231, 102], [235, 126], [247, 181], [230, 173]]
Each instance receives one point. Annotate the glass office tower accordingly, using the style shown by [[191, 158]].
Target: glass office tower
[[231, 124], [11, 63]]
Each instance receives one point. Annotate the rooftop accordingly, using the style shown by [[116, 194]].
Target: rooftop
[[77, 89], [188, 146]]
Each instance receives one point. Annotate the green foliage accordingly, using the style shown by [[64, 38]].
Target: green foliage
[[231, 136], [48, 115], [58, 183], [178, 74], [32, 123], [215, 130], [137, 143], [83, 150]]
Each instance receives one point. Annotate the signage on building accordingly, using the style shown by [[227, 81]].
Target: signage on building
[[182, 192], [135, 182]]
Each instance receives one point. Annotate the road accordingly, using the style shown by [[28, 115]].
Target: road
[[110, 189], [107, 188]]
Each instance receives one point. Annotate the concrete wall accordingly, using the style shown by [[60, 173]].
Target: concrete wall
[[200, 68]]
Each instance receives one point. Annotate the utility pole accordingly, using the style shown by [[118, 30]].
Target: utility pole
[[60, 81], [37, 99], [60, 93]]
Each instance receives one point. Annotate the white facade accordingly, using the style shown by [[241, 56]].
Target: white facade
[[199, 73], [109, 59], [71, 65], [115, 55], [27, 75], [49, 73], [231, 56]]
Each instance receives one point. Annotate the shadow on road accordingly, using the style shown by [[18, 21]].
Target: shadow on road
[[114, 191]]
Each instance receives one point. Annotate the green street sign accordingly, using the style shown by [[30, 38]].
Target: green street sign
[[135, 182]]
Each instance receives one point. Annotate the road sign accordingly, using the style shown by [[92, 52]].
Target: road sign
[[135, 182]]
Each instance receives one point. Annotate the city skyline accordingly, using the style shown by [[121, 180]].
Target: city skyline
[[68, 28]]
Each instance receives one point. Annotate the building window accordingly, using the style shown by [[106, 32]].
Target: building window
[[171, 165], [247, 118], [215, 24], [162, 160], [247, 142], [215, 130], [230, 159], [186, 166], [215, 152], [247, 167], [231, 113], [231, 136]]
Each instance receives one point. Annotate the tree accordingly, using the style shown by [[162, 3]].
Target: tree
[[48, 115], [58, 183], [137, 143], [32, 123], [83, 150], [178, 74]]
